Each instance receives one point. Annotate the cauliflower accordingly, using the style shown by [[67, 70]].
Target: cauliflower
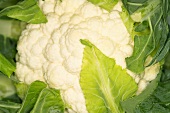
[[52, 52]]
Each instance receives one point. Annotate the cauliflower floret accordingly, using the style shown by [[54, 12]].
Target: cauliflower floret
[[52, 52]]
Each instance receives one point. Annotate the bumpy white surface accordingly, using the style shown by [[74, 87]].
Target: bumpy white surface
[[52, 52]]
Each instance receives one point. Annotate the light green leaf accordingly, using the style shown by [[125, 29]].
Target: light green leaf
[[32, 94], [6, 66], [104, 83], [128, 22], [49, 101], [11, 28], [21, 90], [7, 89], [27, 10], [105, 4]]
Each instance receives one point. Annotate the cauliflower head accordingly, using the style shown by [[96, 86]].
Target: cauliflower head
[[52, 52]]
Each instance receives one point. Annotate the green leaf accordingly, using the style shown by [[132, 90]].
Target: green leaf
[[8, 47], [27, 10], [32, 94], [49, 101], [161, 31], [7, 55], [104, 83], [129, 105], [11, 28], [141, 9], [40, 99], [7, 89], [6, 66], [6, 3], [156, 96], [9, 32], [143, 45], [162, 52], [151, 105], [9, 107], [21, 90], [105, 4], [159, 101], [142, 26], [128, 22], [167, 62], [150, 39]]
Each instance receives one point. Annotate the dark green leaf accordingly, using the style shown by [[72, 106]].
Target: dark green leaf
[[162, 39], [167, 62], [7, 3], [8, 47], [162, 53], [152, 32], [9, 32], [159, 99], [49, 101], [32, 95], [146, 7], [142, 26], [151, 105], [7, 55], [129, 105], [9, 107], [143, 45]]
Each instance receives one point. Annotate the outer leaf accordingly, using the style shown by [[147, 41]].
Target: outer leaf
[[31, 97], [21, 90], [142, 47], [161, 31], [159, 101], [167, 63], [104, 83], [49, 101], [129, 105], [6, 3], [7, 89], [7, 55], [154, 42], [11, 28], [128, 22], [105, 4], [162, 53], [9, 32], [151, 105], [9, 107], [8, 47], [141, 9], [26, 10], [6, 66]]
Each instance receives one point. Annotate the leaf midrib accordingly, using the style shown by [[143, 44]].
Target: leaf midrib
[[106, 90]]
